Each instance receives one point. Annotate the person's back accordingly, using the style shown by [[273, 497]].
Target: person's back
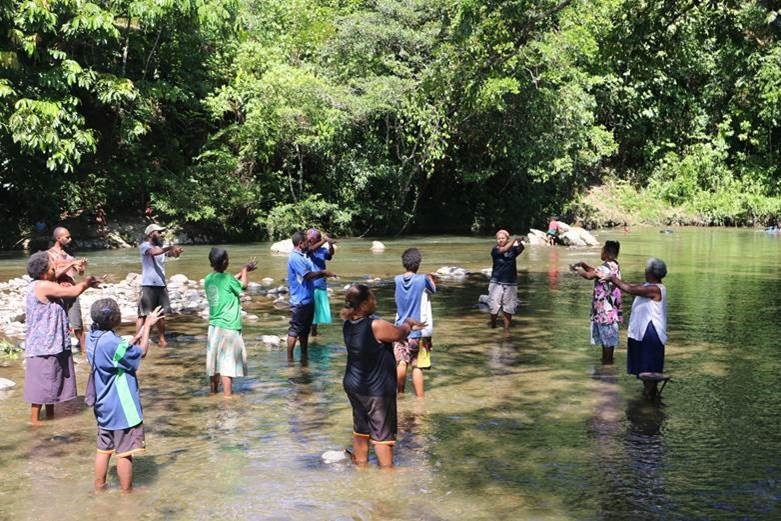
[[223, 292], [408, 295], [115, 362], [370, 367]]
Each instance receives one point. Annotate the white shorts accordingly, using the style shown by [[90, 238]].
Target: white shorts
[[502, 296]]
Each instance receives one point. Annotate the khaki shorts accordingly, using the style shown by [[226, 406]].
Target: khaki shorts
[[502, 297], [122, 442]]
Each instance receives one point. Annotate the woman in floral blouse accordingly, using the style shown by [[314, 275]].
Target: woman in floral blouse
[[606, 305]]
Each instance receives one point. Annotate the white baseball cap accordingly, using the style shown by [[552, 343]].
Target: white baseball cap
[[153, 228]]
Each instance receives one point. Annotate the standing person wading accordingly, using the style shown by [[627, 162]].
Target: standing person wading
[[370, 374], [153, 286], [300, 279], [66, 267], [503, 287]]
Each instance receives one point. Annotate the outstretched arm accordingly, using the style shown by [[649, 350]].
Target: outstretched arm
[[651, 291], [584, 270], [384, 331], [319, 274], [47, 289]]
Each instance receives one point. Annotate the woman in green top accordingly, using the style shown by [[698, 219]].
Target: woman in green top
[[226, 356]]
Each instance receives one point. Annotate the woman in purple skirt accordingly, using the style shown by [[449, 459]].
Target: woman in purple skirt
[[49, 375]]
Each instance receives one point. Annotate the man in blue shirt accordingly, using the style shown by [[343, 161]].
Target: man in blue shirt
[[301, 275], [503, 287]]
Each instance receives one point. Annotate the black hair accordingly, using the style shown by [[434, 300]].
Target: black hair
[[612, 247], [411, 258], [217, 258], [354, 296], [38, 264], [104, 313], [298, 238]]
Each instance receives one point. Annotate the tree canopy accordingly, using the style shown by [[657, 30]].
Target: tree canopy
[[252, 118]]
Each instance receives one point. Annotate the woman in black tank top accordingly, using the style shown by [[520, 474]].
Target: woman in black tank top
[[370, 375]]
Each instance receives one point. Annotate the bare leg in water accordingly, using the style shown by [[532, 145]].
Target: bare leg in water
[[35, 412]]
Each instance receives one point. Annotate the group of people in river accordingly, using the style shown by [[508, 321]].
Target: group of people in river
[[380, 354]]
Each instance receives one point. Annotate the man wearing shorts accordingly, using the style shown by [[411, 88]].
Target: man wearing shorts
[[503, 287], [66, 267], [300, 279], [153, 287]]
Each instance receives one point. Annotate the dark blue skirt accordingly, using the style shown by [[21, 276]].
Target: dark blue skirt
[[647, 355]]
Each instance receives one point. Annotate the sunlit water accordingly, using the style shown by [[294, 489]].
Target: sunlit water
[[526, 427]]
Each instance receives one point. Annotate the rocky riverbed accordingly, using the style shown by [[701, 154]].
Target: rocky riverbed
[[187, 298]]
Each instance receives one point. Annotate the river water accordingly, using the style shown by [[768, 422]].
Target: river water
[[525, 427]]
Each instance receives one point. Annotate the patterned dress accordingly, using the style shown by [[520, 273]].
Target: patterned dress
[[606, 307], [49, 372]]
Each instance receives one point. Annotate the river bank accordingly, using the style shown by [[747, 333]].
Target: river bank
[[617, 203]]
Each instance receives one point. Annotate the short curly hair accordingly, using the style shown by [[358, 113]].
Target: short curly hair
[[38, 264], [104, 313], [411, 259]]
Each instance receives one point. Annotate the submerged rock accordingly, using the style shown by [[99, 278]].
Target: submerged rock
[[271, 340], [335, 456], [6, 384], [452, 272]]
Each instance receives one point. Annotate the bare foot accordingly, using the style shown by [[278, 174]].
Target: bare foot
[[161, 342]]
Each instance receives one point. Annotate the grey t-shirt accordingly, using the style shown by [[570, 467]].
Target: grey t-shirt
[[152, 267]]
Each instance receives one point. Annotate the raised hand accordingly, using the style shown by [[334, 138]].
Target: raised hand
[[95, 282], [252, 265], [153, 317]]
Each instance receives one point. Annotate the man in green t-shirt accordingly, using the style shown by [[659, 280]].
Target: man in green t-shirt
[[226, 356]]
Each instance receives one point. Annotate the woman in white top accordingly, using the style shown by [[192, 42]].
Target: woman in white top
[[647, 323]]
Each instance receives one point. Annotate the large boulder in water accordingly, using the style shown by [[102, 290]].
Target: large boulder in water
[[537, 237], [577, 236], [377, 247], [285, 246]]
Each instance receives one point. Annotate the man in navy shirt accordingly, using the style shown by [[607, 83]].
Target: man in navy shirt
[[300, 279], [503, 287]]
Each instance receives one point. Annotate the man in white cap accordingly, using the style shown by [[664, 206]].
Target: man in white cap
[[153, 286]]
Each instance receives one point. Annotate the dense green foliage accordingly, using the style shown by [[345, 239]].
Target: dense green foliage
[[251, 118]]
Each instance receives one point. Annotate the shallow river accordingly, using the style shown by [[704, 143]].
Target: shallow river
[[526, 427]]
